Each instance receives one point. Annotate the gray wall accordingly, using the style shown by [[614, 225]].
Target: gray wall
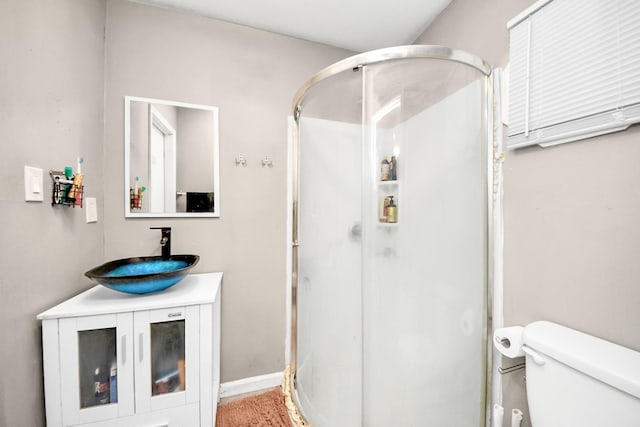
[[251, 76], [139, 150], [571, 211], [51, 111], [195, 150]]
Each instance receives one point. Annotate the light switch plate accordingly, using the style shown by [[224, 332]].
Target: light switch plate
[[33, 184], [92, 209]]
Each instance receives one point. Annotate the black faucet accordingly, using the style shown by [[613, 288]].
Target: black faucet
[[165, 241]]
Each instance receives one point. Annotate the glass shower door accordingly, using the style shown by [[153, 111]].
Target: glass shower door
[[424, 245], [329, 344]]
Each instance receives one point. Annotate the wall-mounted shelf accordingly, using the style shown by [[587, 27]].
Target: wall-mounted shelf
[[64, 192], [389, 225], [386, 190]]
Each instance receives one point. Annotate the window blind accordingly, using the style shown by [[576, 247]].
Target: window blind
[[574, 70]]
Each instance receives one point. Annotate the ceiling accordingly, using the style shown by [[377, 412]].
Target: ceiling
[[358, 25]]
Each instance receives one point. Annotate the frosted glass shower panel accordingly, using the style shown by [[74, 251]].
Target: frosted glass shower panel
[[328, 377], [424, 275]]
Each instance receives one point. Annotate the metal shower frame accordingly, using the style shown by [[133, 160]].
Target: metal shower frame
[[356, 62]]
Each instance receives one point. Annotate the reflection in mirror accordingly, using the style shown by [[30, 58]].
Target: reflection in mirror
[[171, 159]]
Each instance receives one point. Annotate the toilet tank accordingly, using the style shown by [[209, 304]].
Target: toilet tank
[[577, 380]]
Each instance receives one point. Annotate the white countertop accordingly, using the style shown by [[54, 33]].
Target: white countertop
[[194, 289]]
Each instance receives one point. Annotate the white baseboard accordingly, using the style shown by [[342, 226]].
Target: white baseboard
[[250, 385]]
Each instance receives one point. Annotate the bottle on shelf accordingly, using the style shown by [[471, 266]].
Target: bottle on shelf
[[384, 170], [79, 178], [393, 168], [384, 204], [73, 189], [392, 211]]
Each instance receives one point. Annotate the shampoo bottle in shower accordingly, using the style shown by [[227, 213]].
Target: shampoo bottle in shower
[[384, 204], [393, 168], [392, 211], [384, 170]]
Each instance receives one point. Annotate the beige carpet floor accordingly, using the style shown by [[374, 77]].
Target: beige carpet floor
[[262, 410]]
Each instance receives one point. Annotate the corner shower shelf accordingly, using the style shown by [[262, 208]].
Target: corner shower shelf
[[388, 188], [389, 183], [389, 225]]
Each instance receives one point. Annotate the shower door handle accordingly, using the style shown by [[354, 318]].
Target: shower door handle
[[356, 231]]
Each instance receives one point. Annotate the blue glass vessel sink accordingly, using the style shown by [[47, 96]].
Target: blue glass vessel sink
[[143, 275]]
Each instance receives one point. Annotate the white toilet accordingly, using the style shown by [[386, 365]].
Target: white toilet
[[577, 380]]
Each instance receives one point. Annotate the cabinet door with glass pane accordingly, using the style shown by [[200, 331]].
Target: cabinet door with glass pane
[[166, 358], [96, 366]]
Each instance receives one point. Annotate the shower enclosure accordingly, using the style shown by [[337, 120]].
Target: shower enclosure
[[391, 207]]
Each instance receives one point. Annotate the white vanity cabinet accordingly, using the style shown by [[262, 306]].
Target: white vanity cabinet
[[115, 359]]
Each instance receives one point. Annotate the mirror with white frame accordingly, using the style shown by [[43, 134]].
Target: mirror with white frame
[[171, 159]]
